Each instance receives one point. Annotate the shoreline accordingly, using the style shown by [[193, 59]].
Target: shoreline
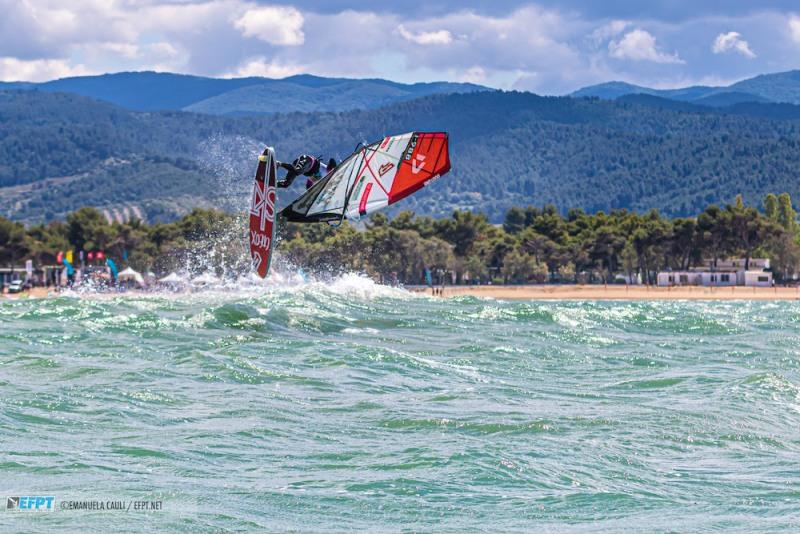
[[617, 292], [569, 292]]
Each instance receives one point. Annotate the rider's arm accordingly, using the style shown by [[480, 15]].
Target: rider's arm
[[290, 175]]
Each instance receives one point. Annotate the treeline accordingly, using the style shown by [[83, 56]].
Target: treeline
[[532, 245], [507, 149], [206, 239], [540, 245]]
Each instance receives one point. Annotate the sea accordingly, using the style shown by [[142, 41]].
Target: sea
[[343, 405]]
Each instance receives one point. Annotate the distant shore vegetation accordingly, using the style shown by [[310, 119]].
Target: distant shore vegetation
[[533, 245]]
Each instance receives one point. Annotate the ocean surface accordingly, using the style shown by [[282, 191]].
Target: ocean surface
[[347, 406]]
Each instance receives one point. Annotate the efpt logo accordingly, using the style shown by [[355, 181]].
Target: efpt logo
[[36, 504]]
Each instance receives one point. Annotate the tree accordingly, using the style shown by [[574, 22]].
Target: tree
[[771, 207], [750, 229], [787, 216], [474, 268], [541, 248], [714, 228], [630, 260], [683, 247], [519, 267], [606, 245], [567, 272], [514, 222], [462, 230], [87, 229], [784, 253], [12, 242]]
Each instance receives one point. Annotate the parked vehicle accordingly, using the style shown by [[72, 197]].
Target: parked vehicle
[[15, 286]]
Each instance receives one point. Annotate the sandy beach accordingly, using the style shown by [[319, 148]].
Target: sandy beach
[[576, 292], [619, 292]]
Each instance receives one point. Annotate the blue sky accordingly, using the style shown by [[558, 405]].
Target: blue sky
[[550, 47]]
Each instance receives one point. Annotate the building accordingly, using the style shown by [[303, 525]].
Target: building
[[48, 275], [726, 273]]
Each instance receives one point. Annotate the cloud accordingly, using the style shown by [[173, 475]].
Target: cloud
[[732, 41], [609, 30], [282, 26], [794, 28], [440, 37], [547, 46], [262, 67], [640, 45], [39, 70]]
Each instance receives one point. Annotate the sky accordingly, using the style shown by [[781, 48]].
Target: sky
[[549, 47]]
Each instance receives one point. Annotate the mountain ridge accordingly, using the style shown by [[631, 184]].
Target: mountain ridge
[[779, 87], [162, 91]]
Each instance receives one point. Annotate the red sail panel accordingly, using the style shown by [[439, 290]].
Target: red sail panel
[[262, 213], [425, 159]]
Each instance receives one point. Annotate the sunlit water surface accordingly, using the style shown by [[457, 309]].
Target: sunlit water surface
[[351, 406]]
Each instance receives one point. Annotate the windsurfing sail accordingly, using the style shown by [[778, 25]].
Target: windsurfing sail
[[262, 212], [373, 177]]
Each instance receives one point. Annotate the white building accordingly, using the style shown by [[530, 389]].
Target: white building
[[727, 273], [758, 279]]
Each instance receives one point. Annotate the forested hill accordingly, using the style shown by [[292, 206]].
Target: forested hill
[[58, 152], [154, 91], [779, 87]]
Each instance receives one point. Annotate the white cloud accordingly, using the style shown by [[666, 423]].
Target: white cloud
[[474, 74], [126, 50], [38, 70], [439, 37], [262, 67], [732, 41], [609, 30], [276, 25], [640, 45], [794, 27]]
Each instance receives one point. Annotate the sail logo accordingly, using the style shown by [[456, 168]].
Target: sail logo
[[383, 169], [259, 240], [412, 144], [417, 163], [262, 204], [256, 259]]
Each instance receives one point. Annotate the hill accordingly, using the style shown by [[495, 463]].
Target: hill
[[157, 91], [290, 95], [58, 151], [781, 87]]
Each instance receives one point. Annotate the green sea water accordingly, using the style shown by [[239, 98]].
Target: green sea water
[[347, 406]]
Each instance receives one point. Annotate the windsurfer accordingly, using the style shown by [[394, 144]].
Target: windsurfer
[[309, 166]]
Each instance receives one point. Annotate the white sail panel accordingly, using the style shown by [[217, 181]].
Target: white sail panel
[[334, 195]]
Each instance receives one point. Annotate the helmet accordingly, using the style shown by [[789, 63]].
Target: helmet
[[305, 164]]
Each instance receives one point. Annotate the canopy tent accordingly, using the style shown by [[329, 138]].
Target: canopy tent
[[130, 274]]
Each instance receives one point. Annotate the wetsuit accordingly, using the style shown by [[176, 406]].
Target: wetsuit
[[308, 166]]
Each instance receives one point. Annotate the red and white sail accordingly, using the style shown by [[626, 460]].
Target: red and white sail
[[373, 177]]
